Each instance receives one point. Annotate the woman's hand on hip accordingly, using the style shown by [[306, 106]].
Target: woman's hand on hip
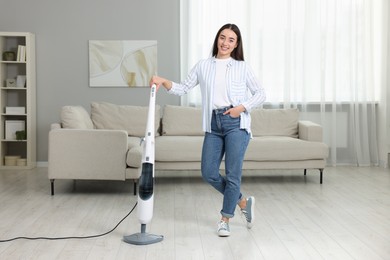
[[235, 111]]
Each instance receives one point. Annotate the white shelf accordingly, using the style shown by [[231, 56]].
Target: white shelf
[[18, 97]]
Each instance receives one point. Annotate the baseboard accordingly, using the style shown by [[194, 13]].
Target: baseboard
[[42, 164]]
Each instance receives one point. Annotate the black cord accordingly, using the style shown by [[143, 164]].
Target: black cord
[[62, 238]]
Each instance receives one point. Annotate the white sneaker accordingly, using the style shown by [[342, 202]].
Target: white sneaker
[[223, 229], [249, 211]]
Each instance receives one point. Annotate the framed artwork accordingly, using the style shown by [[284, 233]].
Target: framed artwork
[[122, 63]]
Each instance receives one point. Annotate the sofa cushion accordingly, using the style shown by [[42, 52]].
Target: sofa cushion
[[134, 154], [75, 117], [133, 141], [132, 119], [178, 148], [283, 148], [275, 122], [179, 120], [134, 157]]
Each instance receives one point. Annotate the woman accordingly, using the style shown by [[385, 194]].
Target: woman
[[229, 91]]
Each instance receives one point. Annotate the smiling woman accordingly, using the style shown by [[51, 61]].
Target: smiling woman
[[225, 81], [227, 42]]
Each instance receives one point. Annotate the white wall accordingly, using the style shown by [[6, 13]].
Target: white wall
[[62, 30]]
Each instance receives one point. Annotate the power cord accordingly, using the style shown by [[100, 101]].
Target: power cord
[[76, 237]]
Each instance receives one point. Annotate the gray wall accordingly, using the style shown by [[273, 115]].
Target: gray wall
[[63, 28]]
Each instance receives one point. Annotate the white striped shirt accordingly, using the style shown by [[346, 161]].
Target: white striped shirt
[[243, 88]]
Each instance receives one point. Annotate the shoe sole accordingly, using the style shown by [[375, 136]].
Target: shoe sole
[[223, 234], [250, 224]]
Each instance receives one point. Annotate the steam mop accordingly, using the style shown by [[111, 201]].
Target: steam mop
[[146, 181]]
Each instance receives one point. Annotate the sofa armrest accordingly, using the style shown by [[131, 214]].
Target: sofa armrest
[[309, 131], [87, 154]]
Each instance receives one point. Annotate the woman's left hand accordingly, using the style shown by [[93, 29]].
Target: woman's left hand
[[235, 111]]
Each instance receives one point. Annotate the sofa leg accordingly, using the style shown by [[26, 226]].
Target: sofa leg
[[304, 172], [52, 186], [135, 187], [321, 171]]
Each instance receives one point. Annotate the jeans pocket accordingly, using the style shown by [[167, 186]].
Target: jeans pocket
[[233, 117], [231, 122]]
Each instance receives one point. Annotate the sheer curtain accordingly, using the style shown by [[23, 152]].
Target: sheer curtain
[[317, 55]]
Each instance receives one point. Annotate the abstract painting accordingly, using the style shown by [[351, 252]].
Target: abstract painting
[[122, 63]]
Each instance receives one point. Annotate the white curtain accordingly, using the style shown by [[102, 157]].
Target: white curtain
[[321, 56]]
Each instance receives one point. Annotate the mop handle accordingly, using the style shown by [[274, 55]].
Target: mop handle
[[148, 155]]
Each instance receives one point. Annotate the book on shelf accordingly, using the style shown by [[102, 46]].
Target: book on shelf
[[15, 110], [21, 56]]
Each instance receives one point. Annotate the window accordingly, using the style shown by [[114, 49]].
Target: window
[[303, 51], [322, 56]]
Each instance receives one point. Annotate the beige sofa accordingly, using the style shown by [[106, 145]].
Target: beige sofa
[[105, 145]]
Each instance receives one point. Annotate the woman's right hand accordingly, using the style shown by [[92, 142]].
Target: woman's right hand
[[160, 81]]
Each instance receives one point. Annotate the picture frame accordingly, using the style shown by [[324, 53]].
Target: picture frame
[[122, 63]]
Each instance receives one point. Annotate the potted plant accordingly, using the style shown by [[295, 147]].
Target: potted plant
[[20, 135]]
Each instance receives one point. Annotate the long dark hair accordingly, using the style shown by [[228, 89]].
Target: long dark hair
[[238, 52]]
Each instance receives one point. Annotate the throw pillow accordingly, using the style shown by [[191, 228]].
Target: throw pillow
[[75, 117], [275, 122], [179, 120], [132, 119]]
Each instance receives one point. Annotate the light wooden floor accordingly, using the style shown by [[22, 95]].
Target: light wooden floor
[[347, 217]]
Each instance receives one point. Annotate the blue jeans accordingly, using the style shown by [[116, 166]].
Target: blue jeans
[[226, 139]]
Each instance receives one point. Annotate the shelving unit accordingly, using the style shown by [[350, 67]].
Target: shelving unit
[[15, 96]]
